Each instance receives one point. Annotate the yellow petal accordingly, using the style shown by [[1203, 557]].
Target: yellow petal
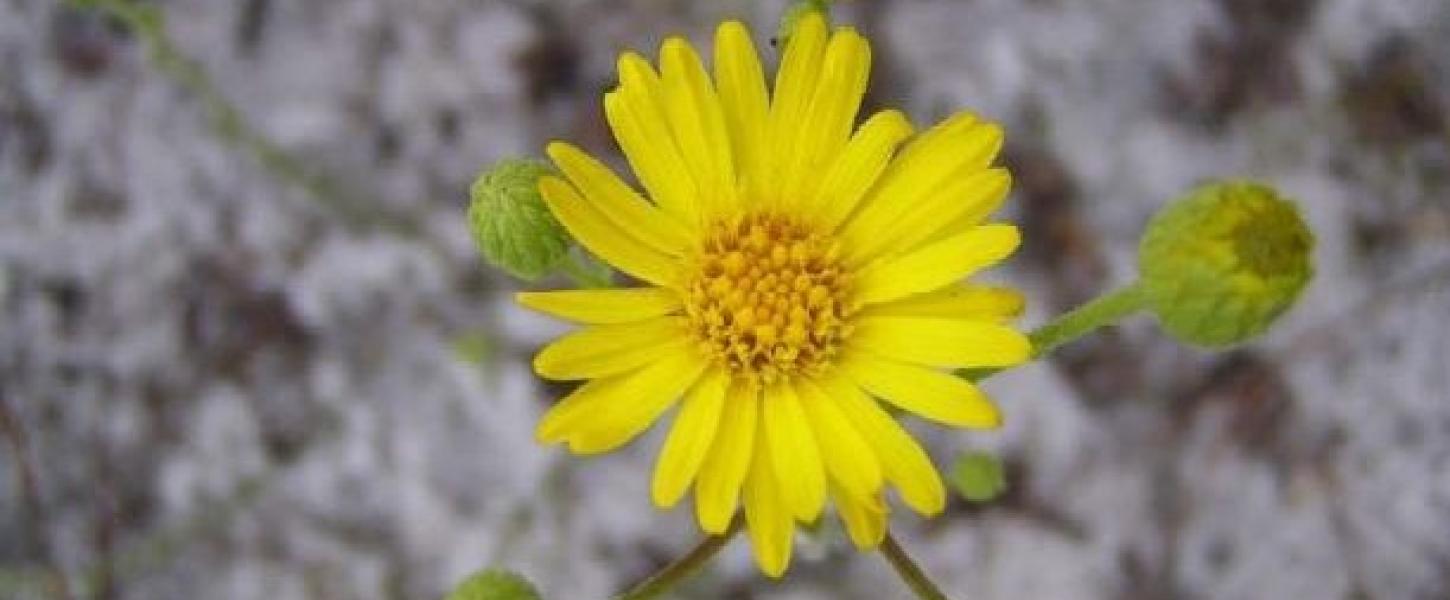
[[864, 516], [963, 301], [956, 202], [953, 149], [794, 453], [857, 168], [617, 202], [689, 440], [831, 113], [936, 265], [591, 397], [939, 342], [604, 350], [601, 402], [768, 512], [698, 123], [848, 458], [596, 233], [717, 489], [928, 393], [638, 404], [598, 307], [636, 115], [741, 84], [795, 84], [903, 462]]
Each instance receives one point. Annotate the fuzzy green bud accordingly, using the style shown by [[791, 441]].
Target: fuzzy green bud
[[1219, 265], [494, 584], [978, 476], [511, 226]]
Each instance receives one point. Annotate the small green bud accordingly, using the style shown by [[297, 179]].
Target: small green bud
[[793, 15], [494, 584], [474, 347], [978, 476], [1219, 265], [511, 226]]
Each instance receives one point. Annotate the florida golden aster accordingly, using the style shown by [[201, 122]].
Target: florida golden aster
[[794, 270]]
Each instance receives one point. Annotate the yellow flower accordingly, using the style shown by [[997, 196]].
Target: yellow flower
[[792, 273]]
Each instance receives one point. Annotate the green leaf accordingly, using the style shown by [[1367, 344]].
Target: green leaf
[[511, 226], [978, 476], [494, 584]]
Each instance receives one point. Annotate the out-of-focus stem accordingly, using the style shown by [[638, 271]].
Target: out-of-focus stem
[[681, 569], [915, 578], [34, 509], [232, 128]]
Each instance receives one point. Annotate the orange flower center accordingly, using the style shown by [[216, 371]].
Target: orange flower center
[[767, 298]]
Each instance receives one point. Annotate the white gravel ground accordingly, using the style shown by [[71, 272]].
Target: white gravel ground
[[229, 392]]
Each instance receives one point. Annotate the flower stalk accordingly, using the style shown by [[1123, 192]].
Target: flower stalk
[[910, 572], [1102, 311], [686, 566], [683, 568], [584, 274]]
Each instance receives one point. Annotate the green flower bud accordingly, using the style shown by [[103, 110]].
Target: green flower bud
[[1221, 264], [494, 584], [978, 476], [511, 225], [474, 347]]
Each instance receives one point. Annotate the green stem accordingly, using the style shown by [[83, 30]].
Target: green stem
[[915, 578], [577, 270], [681, 569], [230, 126], [1104, 310]]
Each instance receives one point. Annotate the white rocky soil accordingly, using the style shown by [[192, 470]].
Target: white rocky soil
[[229, 389]]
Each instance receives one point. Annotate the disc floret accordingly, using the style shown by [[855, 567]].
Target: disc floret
[[767, 299]]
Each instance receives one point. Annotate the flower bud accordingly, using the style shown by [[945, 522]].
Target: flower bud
[[978, 476], [511, 226], [494, 584], [1219, 265]]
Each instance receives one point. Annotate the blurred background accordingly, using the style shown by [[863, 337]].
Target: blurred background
[[247, 350]]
